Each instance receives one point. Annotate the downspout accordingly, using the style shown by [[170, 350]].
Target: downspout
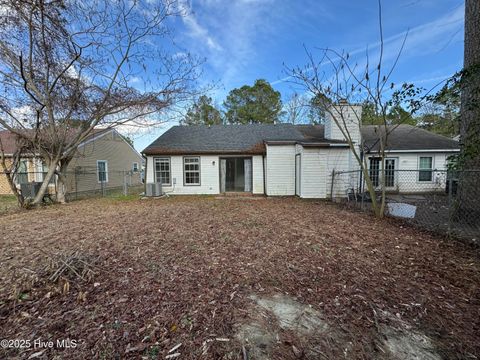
[[145, 175], [264, 176], [361, 172]]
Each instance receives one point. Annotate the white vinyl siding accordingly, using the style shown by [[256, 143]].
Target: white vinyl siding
[[257, 174], [408, 181], [209, 175], [316, 172], [280, 169]]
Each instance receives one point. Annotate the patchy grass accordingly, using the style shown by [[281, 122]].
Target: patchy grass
[[8, 203], [188, 270]]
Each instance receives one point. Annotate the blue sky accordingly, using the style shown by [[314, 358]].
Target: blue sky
[[243, 40]]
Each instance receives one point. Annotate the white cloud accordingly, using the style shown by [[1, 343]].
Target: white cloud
[[420, 40], [195, 29]]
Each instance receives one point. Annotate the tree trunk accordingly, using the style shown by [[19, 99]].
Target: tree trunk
[[37, 200], [468, 193], [470, 106], [61, 190]]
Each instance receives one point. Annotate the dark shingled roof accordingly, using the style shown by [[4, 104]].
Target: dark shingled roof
[[250, 139], [407, 137], [245, 139]]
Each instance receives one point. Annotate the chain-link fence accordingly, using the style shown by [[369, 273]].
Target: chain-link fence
[[80, 183], [436, 200]]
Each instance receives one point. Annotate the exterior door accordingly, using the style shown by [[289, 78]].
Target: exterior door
[[375, 172], [236, 174], [223, 174], [248, 175], [389, 173]]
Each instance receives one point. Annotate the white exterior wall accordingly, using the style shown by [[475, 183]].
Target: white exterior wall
[[257, 175], [317, 165], [340, 160], [209, 175], [280, 170], [407, 181], [349, 117]]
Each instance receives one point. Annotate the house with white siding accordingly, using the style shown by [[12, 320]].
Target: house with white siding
[[285, 159]]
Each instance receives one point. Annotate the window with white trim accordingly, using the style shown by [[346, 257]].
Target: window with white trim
[[425, 168], [162, 170], [102, 171], [135, 167], [191, 170]]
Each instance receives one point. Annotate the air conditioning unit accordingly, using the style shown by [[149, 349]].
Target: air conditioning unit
[[154, 189]]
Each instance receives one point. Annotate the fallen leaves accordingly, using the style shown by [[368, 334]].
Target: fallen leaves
[[173, 276]]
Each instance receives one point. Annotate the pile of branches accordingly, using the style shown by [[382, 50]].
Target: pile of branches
[[72, 266]]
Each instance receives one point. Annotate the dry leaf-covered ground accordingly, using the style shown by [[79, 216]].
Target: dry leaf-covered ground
[[184, 270]]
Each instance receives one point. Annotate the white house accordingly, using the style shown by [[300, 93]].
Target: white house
[[286, 159]]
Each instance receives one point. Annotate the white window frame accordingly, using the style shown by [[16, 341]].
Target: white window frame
[[106, 171], [431, 169], [192, 171], [135, 166], [164, 159], [379, 179]]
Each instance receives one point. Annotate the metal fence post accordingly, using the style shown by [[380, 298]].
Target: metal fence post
[[450, 205], [125, 186], [362, 191], [331, 185]]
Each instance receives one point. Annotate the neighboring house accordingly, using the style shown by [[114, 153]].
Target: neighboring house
[[102, 160], [284, 159]]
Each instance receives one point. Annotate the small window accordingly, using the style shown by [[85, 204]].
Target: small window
[[191, 170], [425, 167], [162, 170], [102, 171], [135, 167]]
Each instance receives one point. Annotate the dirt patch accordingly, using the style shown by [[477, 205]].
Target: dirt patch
[[279, 321], [400, 341], [182, 270]]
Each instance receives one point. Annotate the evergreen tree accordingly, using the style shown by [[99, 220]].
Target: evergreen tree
[[259, 103]]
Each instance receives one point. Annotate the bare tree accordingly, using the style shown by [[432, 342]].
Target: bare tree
[[10, 166], [343, 86], [295, 109], [76, 65]]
